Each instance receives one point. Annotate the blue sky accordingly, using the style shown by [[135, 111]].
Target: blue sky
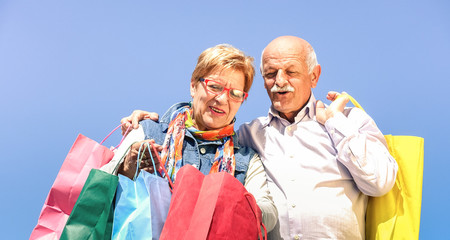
[[70, 67]]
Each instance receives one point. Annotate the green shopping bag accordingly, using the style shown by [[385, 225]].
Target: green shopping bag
[[92, 215]]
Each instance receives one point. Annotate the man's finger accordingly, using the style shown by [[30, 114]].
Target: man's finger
[[319, 105], [320, 112], [332, 95], [339, 104]]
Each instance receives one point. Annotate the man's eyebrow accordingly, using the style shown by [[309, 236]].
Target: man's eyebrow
[[289, 65]]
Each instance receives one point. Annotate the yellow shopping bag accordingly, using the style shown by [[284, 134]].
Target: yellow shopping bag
[[396, 215]]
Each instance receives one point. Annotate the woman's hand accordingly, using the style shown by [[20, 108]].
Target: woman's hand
[[128, 167], [134, 119]]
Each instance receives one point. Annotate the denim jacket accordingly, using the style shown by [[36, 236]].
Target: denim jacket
[[199, 154]]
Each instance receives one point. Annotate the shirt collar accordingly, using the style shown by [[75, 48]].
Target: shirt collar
[[309, 109]]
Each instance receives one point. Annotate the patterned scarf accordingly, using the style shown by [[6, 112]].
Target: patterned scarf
[[171, 155]]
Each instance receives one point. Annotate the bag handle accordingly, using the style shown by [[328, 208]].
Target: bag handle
[[122, 158], [139, 158], [161, 167], [251, 200], [391, 149], [123, 137], [351, 100], [147, 146]]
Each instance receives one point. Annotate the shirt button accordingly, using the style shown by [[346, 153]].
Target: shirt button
[[296, 237], [202, 150], [291, 156], [293, 205]]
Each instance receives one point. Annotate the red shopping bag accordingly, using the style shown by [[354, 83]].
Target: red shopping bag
[[216, 206], [84, 155], [184, 197]]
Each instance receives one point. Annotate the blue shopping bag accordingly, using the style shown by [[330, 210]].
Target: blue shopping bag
[[142, 204], [132, 214], [160, 196]]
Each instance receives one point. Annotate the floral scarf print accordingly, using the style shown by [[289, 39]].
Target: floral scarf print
[[171, 155]]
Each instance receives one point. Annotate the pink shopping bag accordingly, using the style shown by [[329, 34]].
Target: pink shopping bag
[[84, 155], [215, 206]]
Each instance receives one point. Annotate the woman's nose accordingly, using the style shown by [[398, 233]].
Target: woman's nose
[[223, 96]]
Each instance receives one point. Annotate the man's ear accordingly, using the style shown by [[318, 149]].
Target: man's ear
[[315, 75]]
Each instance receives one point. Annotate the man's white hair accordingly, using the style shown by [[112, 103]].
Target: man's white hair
[[311, 60]]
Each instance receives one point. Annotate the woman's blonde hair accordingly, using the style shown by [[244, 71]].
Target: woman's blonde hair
[[224, 56]]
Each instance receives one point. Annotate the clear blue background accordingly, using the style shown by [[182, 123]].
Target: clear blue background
[[69, 67]]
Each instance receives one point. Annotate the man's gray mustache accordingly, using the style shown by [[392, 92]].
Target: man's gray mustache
[[286, 88]]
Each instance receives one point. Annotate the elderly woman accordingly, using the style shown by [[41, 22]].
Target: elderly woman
[[202, 130]]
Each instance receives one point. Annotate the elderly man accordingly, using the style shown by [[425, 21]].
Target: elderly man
[[322, 162]]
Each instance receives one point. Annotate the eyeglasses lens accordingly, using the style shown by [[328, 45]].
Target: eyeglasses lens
[[218, 88]]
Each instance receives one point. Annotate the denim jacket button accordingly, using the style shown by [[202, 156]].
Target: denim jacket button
[[202, 150]]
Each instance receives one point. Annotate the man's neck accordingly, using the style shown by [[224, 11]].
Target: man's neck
[[290, 116]]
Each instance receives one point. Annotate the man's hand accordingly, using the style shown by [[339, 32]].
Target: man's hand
[[337, 105], [135, 117], [128, 167]]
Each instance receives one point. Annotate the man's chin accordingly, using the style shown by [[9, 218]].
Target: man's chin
[[278, 106]]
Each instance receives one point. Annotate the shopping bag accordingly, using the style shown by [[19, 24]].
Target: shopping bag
[[84, 155], [132, 219], [396, 215], [184, 197], [142, 204], [160, 196], [92, 215], [218, 207]]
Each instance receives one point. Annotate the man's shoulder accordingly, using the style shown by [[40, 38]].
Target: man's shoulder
[[250, 132], [256, 123]]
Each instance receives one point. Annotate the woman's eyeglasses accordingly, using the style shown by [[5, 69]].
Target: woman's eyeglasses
[[217, 89]]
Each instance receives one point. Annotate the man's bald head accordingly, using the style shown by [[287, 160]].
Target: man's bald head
[[292, 45]]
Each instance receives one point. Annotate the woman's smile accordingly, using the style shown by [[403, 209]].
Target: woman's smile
[[217, 111]]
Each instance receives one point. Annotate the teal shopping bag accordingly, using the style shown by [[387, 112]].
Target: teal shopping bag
[[92, 215]]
